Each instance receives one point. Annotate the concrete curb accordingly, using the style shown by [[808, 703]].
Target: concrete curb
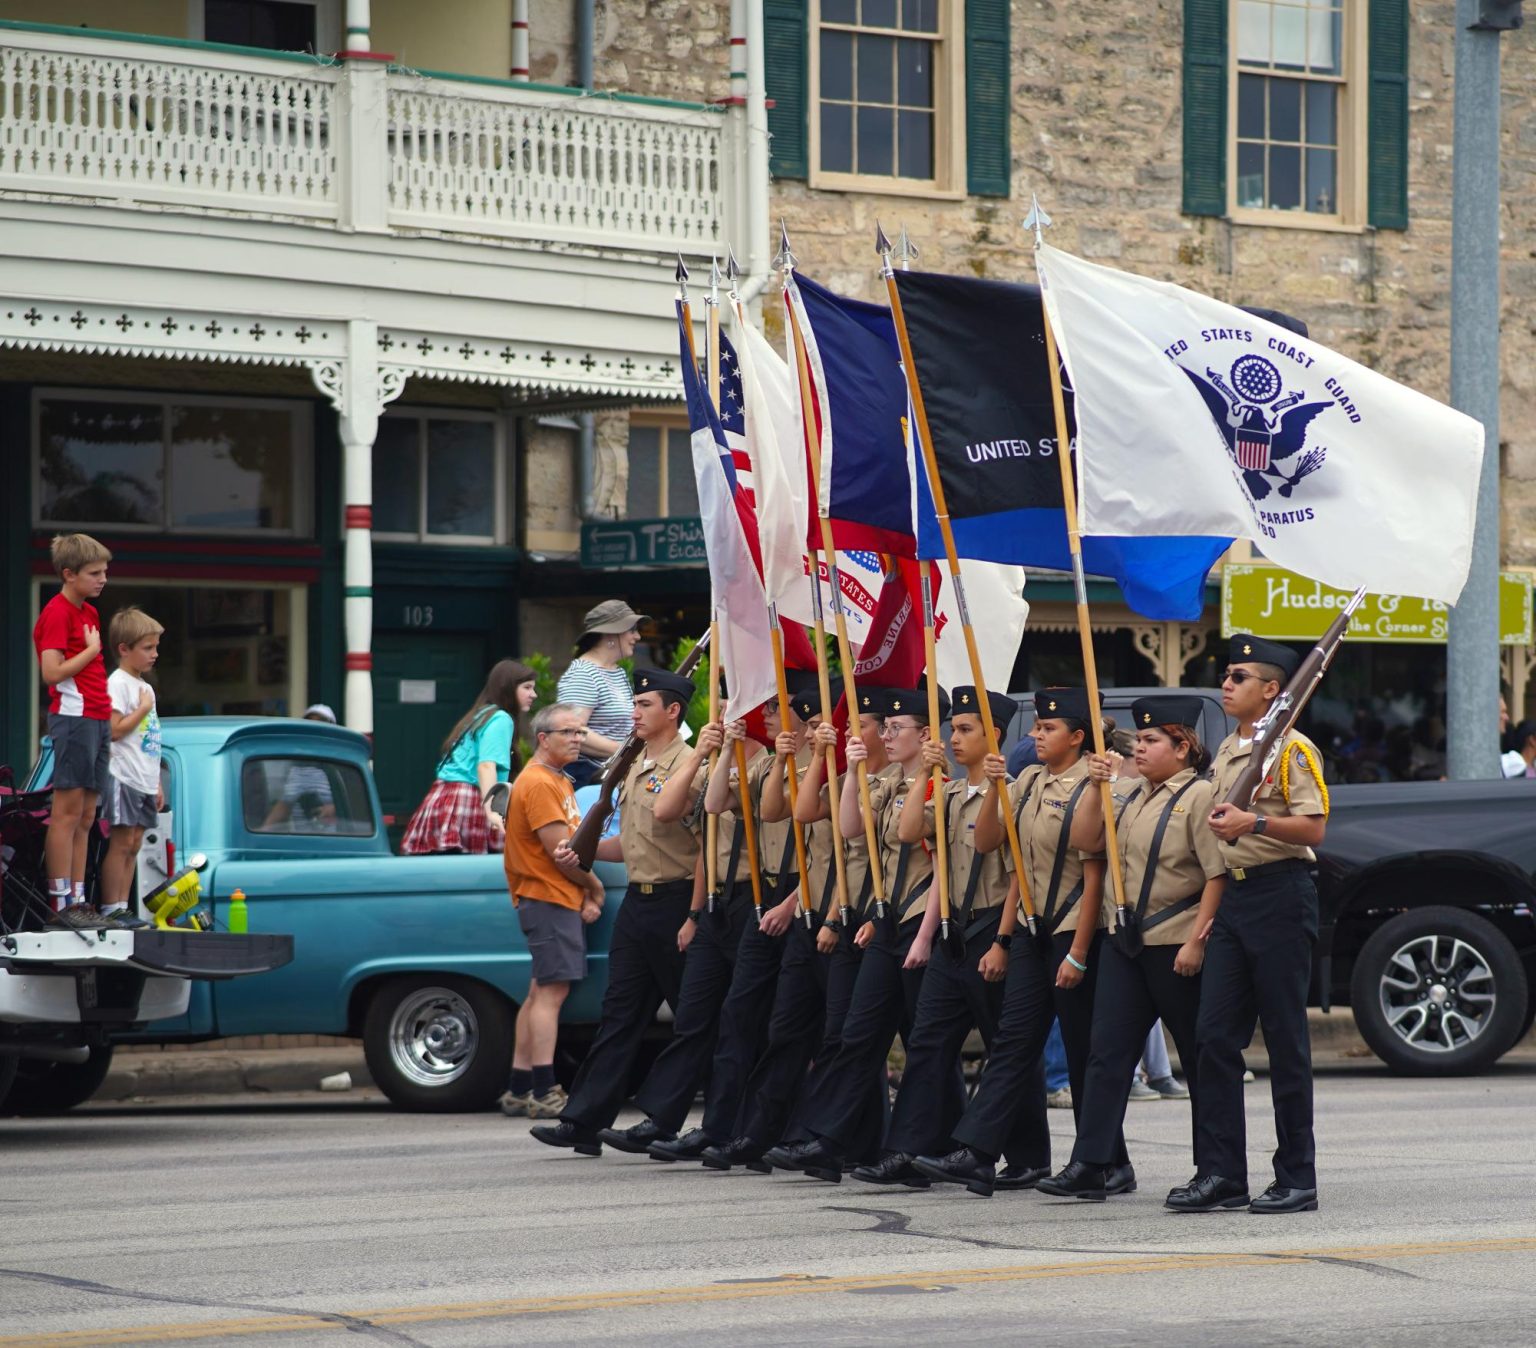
[[140, 1076]]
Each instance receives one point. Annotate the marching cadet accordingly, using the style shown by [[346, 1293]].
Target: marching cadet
[[1150, 967], [645, 965], [1055, 979], [895, 950], [754, 961], [820, 965], [1258, 961], [963, 987]]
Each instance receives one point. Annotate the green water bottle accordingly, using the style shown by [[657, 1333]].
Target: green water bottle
[[237, 912]]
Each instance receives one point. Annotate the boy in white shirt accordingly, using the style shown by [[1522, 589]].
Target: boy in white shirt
[[136, 797]]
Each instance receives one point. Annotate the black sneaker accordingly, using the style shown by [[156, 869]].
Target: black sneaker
[[123, 919], [79, 917]]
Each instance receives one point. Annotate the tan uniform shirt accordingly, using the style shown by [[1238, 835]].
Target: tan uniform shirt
[[773, 838], [962, 808], [1189, 856], [1040, 804], [730, 820], [1305, 797], [655, 853], [887, 794]]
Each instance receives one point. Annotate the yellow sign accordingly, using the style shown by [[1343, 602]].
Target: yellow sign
[[1271, 602]]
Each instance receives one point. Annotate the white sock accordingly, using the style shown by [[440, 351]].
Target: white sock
[[58, 894], [115, 908], [77, 891]]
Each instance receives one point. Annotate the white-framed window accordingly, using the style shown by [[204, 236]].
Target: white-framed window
[[279, 25], [179, 464], [661, 481], [439, 476], [1297, 102], [887, 81]]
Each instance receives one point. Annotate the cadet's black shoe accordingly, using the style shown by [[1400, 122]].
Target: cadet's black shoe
[[738, 1151], [820, 1160], [1120, 1179], [1208, 1193], [1277, 1198], [1183, 1188], [896, 1168], [637, 1138], [960, 1167], [689, 1147], [1077, 1180], [785, 1156], [567, 1134], [1020, 1176]]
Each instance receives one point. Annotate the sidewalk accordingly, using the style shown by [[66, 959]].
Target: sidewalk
[[239, 1067]]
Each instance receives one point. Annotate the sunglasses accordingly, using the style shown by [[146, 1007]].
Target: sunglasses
[[1238, 677]]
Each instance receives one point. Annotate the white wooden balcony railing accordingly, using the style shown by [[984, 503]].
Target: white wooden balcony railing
[[143, 122]]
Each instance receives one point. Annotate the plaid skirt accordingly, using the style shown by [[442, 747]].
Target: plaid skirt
[[450, 819]]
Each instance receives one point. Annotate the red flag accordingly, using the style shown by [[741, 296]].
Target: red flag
[[892, 655]]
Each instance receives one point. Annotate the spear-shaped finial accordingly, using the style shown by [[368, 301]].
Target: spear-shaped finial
[[1037, 220], [732, 268], [785, 260], [682, 279], [714, 281], [883, 247], [906, 250]]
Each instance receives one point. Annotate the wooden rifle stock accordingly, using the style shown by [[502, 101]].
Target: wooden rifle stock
[[585, 839], [1270, 732]]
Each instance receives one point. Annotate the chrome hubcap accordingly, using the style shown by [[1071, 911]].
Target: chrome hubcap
[[1437, 993], [432, 1036]]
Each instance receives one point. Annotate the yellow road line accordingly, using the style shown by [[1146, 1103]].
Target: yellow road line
[[788, 1285]]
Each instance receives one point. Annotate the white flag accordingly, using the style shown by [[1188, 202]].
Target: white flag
[[1195, 417], [994, 595]]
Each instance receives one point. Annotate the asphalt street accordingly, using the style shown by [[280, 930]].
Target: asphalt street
[[311, 1220]]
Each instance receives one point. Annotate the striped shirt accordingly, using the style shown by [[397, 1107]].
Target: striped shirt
[[608, 692]]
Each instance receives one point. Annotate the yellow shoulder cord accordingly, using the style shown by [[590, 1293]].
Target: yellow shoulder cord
[[1310, 758]]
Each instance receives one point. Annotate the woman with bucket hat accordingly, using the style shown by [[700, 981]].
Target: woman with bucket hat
[[597, 685]]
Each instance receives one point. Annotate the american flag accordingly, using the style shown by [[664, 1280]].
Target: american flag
[[733, 422]]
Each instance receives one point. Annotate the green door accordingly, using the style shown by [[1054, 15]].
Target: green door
[[422, 683]]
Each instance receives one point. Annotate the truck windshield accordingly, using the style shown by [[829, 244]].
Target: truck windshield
[[305, 795]]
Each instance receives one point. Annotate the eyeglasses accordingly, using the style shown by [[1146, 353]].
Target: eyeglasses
[[896, 727], [569, 730], [1238, 677]]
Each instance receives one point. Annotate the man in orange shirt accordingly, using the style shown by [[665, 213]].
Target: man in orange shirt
[[554, 899]]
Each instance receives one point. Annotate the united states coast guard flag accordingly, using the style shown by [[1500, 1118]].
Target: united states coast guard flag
[[1194, 417]]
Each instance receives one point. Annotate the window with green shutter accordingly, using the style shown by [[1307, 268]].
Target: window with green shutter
[[1295, 111], [786, 34], [987, 102]]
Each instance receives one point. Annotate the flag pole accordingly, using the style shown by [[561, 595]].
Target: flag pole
[[732, 271], [844, 647], [952, 558], [745, 820], [1037, 220], [936, 780]]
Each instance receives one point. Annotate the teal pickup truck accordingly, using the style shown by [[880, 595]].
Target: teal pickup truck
[[422, 957]]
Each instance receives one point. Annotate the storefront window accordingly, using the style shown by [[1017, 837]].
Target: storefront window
[[184, 465], [438, 478]]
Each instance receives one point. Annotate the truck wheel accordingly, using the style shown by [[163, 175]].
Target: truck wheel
[[1438, 992], [439, 1044], [44, 1087]]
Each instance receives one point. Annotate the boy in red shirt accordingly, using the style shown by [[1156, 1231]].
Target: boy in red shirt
[[68, 642]]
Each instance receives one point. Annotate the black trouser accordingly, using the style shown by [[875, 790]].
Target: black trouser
[[1130, 997], [956, 999], [884, 1003], [1258, 967], [675, 1077], [794, 1029], [743, 1027], [645, 969]]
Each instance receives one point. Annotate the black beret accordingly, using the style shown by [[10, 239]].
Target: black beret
[[800, 681], [664, 681], [806, 701], [1059, 703], [1166, 709], [1250, 650], [909, 702], [963, 699]]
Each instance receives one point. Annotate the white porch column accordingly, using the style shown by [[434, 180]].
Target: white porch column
[[359, 389], [358, 24]]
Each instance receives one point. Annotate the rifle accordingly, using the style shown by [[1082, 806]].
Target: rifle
[[585, 839], [1270, 730]]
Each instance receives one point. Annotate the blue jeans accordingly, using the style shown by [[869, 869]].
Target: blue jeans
[[1055, 1060]]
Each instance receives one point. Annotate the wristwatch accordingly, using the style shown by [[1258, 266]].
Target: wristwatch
[[695, 915], [1001, 941], [1260, 824]]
